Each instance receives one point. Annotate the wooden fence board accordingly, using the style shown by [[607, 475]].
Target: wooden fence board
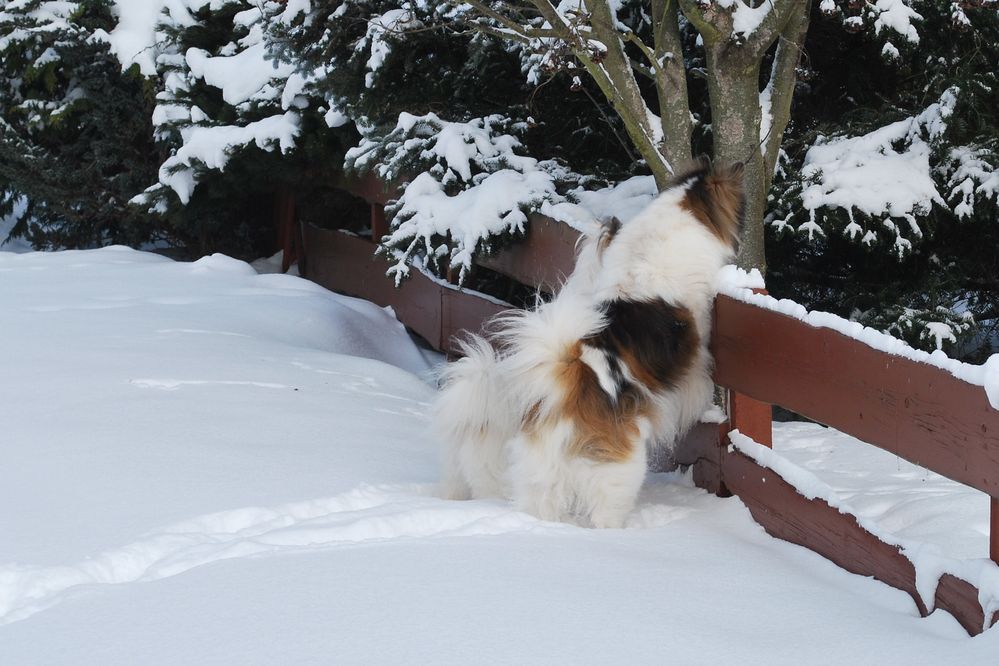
[[463, 312], [437, 312], [914, 410], [994, 530], [544, 259], [786, 514]]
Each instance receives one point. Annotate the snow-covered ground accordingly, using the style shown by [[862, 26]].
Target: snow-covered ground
[[202, 465]]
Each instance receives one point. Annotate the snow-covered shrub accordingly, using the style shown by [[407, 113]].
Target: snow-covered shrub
[[438, 107], [220, 92], [923, 328], [231, 119]]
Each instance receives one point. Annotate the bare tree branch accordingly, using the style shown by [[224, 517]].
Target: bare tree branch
[[642, 125], [714, 23], [782, 80], [671, 86], [774, 24], [523, 31]]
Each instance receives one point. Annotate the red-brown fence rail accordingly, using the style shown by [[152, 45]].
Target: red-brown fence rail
[[914, 410]]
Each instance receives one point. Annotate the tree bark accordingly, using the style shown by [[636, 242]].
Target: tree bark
[[733, 64], [671, 82], [733, 86], [781, 84]]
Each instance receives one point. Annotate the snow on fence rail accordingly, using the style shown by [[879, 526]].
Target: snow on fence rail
[[917, 410]]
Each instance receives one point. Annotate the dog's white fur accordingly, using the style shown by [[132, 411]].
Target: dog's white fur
[[665, 252]]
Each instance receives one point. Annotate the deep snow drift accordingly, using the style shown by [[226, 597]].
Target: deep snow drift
[[205, 465]]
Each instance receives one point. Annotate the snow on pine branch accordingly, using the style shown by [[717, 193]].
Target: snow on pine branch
[[882, 180], [35, 36], [378, 40], [971, 178], [261, 96], [896, 16], [473, 186]]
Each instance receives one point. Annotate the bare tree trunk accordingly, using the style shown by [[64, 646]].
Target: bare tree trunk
[[733, 64], [733, 87], [600, 43], [671, 82]]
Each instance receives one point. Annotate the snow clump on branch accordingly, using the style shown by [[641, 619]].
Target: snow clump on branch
[[885, 176], [474, 186]]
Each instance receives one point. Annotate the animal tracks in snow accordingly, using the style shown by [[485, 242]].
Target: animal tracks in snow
[[174, 384], [367, 514]]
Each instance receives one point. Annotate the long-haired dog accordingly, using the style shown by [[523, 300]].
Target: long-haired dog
[[558, 411]]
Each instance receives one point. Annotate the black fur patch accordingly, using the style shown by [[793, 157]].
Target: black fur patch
[[656, 341]]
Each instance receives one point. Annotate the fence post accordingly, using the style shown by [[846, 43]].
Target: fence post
[[379, 227], [288, 234], [994, 531], [752, 418]]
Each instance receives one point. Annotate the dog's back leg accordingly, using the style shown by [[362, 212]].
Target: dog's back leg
[[607, 491], [540, 483]]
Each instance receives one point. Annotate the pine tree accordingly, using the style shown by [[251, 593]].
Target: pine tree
[[237, 130], [75, 134], [449, 115]]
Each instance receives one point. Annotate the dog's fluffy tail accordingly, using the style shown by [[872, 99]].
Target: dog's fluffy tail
[[472, 420], [543, 345]]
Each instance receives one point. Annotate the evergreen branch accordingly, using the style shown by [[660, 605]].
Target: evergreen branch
[[522, 31], [499, 33]]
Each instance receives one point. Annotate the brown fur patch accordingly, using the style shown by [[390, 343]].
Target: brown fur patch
[[531, 417], [716, 198], [605, 431]]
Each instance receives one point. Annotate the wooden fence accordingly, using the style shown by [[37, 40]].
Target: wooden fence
[[914, 410]]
